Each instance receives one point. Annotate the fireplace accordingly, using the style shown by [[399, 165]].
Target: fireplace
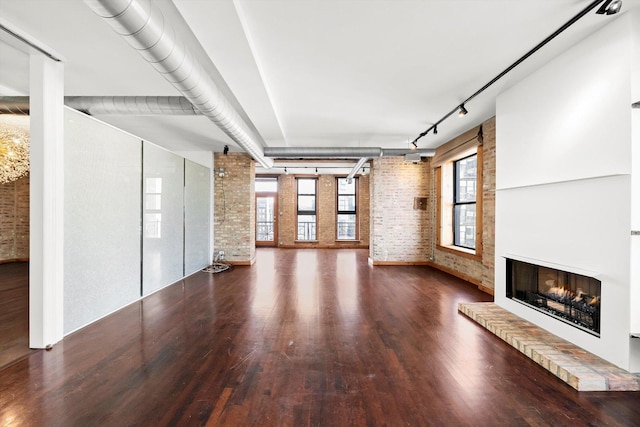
[[570, 297]]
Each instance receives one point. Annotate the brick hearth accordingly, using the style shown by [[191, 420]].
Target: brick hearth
[[572, 364]]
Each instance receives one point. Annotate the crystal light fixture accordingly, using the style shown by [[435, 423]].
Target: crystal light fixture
[[14, 153]]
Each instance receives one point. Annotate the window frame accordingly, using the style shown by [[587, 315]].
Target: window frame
[[347, 212], [457, 203], [306, 212], [442, 229]]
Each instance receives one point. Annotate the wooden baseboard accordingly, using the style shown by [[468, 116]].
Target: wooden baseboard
[[462, 276], [486, 290], [241, 262], [7, 261], [323, 246], [373, 262]]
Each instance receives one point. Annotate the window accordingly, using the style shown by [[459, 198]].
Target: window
[[306, 208], [464, 202], [346, 209], [266, 184], [458, 175], [266, 188]]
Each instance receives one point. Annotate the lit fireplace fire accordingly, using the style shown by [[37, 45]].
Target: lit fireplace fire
[[570, 297]]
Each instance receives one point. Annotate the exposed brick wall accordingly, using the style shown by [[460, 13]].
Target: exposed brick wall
[[14, 220], [287, 210], [364, 208], [234, 207], [399, 233], [326, 209], [326, 213], [489, 203], [480, 272]]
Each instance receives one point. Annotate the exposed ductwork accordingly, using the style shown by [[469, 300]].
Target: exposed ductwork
[[14, 105], [179, 105], [105, 105], [144, 27], [135, 105], [357, 167], [339, 152], [321, 152]]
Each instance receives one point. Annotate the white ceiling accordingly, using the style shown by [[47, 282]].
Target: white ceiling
[[309, 73]]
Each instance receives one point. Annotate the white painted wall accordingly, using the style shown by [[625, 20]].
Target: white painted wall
[[563, 180], [635, 197]]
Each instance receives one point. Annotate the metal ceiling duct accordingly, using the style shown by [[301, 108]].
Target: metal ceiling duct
[[321, 152], [357, 167], [340, 152], [14, 105], [179, 105], [107, 105], [144, 27], [132, 105]]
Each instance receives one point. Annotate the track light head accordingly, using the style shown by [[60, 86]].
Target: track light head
[[414, 145], [285, 170], [225, 151], [610, 7], [462, 111], [435, 129]]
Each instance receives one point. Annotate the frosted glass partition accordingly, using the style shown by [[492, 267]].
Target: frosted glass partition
[[162, 218], [102, 219], [197, 199]]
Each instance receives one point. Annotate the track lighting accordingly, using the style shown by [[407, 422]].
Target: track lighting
[[610, 7], [225, 150], [285, 171], [316, 171]]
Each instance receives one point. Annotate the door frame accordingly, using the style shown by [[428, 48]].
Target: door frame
[[275, 220]]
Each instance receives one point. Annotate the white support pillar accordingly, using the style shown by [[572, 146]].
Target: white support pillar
[[46, 268]]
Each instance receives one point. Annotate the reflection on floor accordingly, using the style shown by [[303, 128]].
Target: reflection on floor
[[14, 312], [300, 338]]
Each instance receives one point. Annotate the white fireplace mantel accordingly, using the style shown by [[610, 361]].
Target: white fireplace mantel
[[548, 264]]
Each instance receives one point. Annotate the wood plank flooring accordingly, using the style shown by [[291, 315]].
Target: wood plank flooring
[[14, 312], [301, 338]]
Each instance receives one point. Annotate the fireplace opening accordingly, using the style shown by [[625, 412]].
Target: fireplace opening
[[569, 297]]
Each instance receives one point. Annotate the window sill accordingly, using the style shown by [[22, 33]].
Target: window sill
[[306, 241], [348, 241], [465, 253]]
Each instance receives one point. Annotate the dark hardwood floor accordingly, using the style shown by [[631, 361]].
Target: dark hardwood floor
[[14, 312], [306, 337]]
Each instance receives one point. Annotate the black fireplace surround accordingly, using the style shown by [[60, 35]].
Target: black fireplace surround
[[572, 298]]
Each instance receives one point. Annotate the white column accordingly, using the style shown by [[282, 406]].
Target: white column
[[46, 268]]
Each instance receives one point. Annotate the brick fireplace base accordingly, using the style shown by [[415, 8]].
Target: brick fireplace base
[[572, 364]]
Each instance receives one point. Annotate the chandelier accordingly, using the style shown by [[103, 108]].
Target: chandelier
[[14, 152]]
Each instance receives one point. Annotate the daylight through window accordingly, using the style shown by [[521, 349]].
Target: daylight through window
[[306, 190], [464, 202], [346, 209]]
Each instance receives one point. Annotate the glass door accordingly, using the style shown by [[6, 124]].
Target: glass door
[[266, 225]]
